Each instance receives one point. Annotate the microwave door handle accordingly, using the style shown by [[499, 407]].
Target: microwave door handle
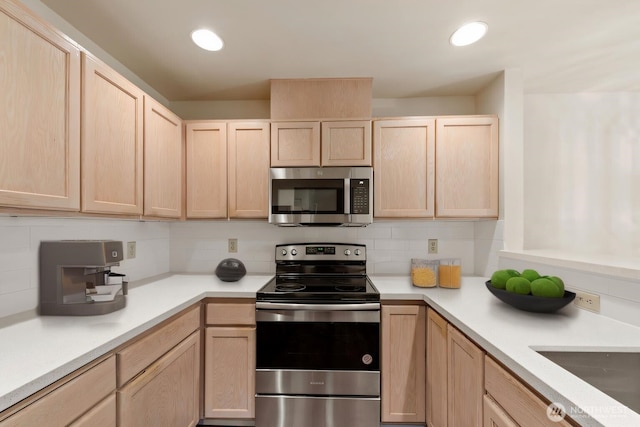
[[347, 196]]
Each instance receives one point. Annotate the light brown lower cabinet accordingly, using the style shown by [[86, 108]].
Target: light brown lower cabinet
[[403, 362], [456, 401], [230, 361], [516, 399], [102, 415], [436, 412], [167, 393], [85, 397], [494, 415]]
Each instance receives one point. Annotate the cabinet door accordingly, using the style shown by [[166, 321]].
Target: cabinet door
[[346, 143], [467, 167], [112, 131], [249, 160], [295, 144], [437, 376], [404, 168], [403, 363], [229, 372], [466, 381], [167, 392], [163, 154], [494, 415], [206, 169], [39, 114]]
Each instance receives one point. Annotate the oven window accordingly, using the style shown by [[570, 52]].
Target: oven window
[[307, 196], [318, 345]]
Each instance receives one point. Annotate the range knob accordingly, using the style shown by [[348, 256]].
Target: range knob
[[357, 252], [283, 252], [294, 252], [347, 252]]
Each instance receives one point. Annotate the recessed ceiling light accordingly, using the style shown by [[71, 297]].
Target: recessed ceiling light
[[468, 34], [207, 39]]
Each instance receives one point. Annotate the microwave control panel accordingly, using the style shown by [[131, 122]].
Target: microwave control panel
[[360, 196]]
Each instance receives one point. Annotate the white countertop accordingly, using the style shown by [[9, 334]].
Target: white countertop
[[40, 350]]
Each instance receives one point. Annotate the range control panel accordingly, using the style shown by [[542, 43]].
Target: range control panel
[[321, 251]]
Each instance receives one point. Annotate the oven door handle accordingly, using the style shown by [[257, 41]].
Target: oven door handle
[[369, 306]]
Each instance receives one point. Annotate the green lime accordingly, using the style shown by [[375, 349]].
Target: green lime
[[499, 278], [546, 288], [530, 274], [519, 285], [558, 281]]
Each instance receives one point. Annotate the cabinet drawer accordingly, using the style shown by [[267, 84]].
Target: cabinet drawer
[[145, 351], [69, 401], [219, 313], [102, 415], [494, 415], [517, 400]]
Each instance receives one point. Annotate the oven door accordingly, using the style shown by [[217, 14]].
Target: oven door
[[331, 349], [318, 365]]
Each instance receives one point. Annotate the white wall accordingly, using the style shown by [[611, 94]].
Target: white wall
[[20, 241], [582, 173]]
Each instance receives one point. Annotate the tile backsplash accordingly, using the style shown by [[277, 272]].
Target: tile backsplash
[[198, 247]]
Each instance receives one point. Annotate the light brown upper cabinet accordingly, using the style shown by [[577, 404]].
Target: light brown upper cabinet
[[404, 168], [39, 113], [249, 152], [206, 169], [227, 169], [443, 167], [467, 167], [327, 143], [346, 143], [295, 144], [163, 154], [112, 141]]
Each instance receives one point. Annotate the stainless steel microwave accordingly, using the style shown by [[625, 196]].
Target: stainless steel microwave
[[339, 196]]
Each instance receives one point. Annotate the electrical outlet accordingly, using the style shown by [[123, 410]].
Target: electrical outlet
[[587, 301], [233, 246], [131, 250], [433, 246]]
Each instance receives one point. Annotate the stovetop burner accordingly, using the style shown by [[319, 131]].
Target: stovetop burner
[[290, 287]]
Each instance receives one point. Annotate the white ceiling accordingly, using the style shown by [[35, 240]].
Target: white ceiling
[[560, 45]]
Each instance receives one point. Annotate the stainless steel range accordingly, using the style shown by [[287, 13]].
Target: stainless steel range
[[318, 340]]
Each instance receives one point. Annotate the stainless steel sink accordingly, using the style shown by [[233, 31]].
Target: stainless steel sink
[[615, 373]]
